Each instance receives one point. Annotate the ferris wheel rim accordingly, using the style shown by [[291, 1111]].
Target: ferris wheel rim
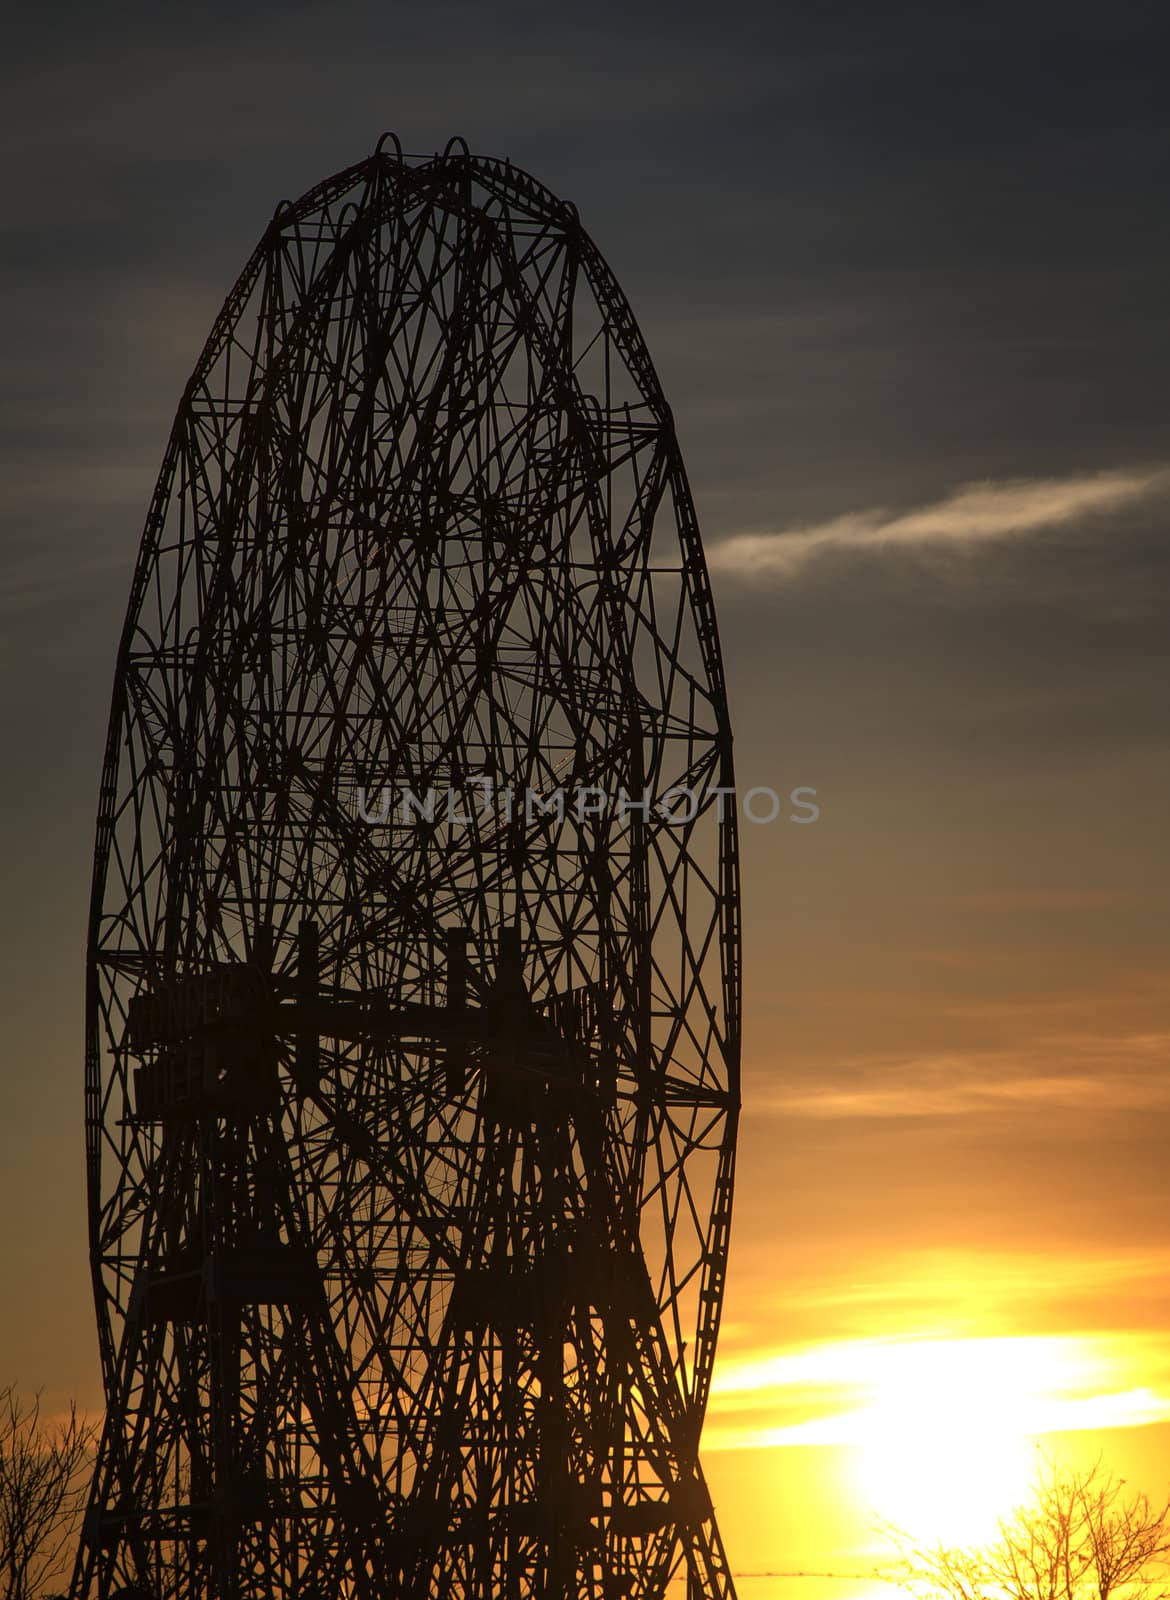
[[451, 165]]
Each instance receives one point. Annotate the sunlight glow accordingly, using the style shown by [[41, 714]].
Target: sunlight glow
[[943, 1455], [941, 1431]]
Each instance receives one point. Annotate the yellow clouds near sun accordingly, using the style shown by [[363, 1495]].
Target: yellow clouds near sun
[[939, 1432]]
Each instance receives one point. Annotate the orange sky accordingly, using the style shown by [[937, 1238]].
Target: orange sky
[[949, 1209]]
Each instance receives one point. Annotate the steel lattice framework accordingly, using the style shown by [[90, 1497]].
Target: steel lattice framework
[[411, 1129]]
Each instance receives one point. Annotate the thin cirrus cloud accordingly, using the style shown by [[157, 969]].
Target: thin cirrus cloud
[[972, 515], [1118, 1073], [851, 1392], [977, 1290]]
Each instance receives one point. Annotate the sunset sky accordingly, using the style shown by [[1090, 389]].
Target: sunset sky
[[903, 270]]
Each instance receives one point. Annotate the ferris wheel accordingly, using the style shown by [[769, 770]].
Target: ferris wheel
[[413, 970]]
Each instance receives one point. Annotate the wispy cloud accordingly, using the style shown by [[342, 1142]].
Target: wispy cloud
[[855, 1390], [974, 514], [1116, 1073], [964, 1291]]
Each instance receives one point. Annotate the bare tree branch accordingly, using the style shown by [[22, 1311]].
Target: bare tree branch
[[43, 1476], [1080, 1537]]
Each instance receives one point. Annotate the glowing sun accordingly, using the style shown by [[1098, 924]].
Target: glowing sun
[[943, 1453]]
